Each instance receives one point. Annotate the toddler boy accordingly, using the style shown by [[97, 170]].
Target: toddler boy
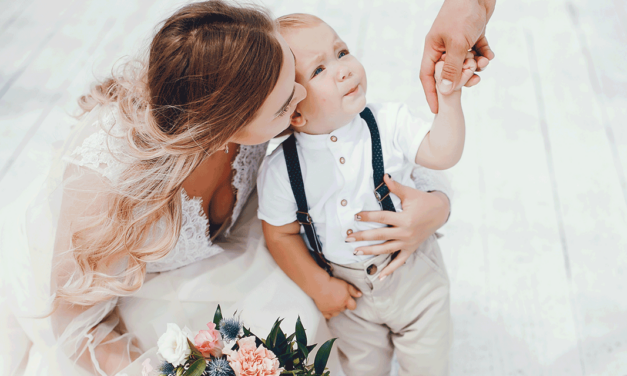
[[339, 146]]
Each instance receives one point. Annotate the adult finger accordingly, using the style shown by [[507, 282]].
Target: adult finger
[[482, 47], [354, 291], [351, 304], [399, 261], [430, 56], [379, 249], [377, 234], [451, 72], [383, 216]]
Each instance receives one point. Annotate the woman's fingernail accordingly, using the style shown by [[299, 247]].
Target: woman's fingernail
[[357, 217], [358, 253], [381, 278], [390, 176], [350, 240]]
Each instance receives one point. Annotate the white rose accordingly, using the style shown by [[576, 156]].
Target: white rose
[[173, 345]]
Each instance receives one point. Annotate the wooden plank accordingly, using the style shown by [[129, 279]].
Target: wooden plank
[[588, 182], [105, 38]]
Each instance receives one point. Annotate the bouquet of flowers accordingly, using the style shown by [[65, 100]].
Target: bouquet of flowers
[[228, 348]]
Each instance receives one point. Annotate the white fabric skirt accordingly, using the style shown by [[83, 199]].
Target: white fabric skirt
[[244, 278]]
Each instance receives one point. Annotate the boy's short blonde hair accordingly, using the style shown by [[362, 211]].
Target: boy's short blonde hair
[[296, 21]]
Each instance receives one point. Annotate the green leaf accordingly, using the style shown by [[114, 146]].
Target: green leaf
[[301, 336], [195, 351], [197, 368], [309, 348], [271, 339], [303, 350], [179, 371], [217, 317], [323, 356]]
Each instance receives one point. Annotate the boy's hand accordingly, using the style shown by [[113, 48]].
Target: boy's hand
[[336, 296], [468, 71]]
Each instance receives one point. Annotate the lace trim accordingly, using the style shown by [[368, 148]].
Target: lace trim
[[193, 244], [246, 166], [105, 152]]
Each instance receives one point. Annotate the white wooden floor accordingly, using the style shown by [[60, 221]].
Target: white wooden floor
[[537, 244]]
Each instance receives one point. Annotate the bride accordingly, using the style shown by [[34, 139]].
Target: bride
[[150, 215]]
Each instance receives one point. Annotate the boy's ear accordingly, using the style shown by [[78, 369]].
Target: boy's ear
[[297, 120]]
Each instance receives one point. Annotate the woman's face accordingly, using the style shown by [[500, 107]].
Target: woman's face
[[274, 115]]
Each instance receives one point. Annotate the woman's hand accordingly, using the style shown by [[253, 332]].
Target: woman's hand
[[423, 213]]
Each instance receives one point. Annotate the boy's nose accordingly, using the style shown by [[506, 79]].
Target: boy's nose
[[343, 73]]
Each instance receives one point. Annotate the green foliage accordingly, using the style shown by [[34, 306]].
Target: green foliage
[[217, 317], [197, 368], [292, 351]]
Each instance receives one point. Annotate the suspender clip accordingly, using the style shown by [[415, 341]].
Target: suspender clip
[[381, 192], [302, 216]]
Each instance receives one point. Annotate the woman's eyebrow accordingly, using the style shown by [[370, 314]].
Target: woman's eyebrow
[[287, 103]]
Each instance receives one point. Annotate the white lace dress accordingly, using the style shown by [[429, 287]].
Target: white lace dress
[[236, 271]]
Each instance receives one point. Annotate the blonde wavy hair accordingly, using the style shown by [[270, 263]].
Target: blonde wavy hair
[[210, 68]]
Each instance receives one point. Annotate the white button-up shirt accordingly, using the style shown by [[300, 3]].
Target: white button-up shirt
[[337, 173]]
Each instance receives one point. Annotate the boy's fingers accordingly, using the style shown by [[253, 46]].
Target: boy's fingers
[[351, 304], [473, 81], [482, 62], [353, 291]]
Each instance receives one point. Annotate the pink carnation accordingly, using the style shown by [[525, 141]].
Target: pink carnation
[[209, 342], [250, 360]]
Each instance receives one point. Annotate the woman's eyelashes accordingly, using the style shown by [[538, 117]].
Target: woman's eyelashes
[[319, 69]]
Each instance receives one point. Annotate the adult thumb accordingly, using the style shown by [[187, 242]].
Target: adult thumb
[[397, 188], [452, 69]]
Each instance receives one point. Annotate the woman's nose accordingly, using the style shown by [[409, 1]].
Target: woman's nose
[[300, 93]]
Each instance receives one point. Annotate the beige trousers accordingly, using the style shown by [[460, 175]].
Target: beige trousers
[[408, 312]]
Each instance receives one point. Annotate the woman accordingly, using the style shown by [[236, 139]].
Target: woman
[[155, 182]]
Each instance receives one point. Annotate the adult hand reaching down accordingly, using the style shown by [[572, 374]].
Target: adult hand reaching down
[[459, 27]]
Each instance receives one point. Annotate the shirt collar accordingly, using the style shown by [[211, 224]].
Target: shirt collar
[[348, 132]]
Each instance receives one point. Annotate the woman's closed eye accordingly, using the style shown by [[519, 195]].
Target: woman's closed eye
[[285, 110]]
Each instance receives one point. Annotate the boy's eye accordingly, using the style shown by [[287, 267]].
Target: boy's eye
[[342, 53], [317, 71]]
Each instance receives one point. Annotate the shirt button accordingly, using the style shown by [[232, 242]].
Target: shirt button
[[333, 138], [342, 160], [349, 232], [344, 202]]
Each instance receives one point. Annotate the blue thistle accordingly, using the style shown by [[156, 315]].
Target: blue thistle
[[230, 328], [219, 367], [167, 368]]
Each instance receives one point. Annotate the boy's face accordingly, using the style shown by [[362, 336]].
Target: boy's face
[[335, 80]]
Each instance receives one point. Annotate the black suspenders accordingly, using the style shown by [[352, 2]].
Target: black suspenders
[[381, 191]]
